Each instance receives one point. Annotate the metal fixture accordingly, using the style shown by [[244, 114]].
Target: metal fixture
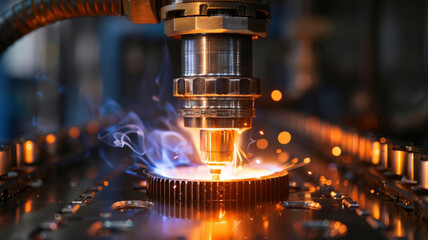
[[217, 87], [5, 159], [399, 160], [423, 171]]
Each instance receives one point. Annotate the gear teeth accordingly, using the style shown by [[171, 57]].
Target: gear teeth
[[193, 192]]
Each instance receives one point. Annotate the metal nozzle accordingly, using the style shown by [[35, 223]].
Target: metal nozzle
[[217, 148], [217, 87]]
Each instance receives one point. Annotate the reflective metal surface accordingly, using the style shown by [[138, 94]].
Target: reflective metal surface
[[217, 55]]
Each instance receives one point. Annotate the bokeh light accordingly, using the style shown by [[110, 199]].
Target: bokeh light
[[262, 143], [276, 95], [284, 137]]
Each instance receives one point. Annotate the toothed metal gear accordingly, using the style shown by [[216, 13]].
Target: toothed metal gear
[[268, 189]]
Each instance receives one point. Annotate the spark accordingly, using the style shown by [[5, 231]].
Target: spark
[[284, 137], [307, 160], [262, 143], [276, 95], [262, 133], [336, 151], [258, 161], [50, 138]]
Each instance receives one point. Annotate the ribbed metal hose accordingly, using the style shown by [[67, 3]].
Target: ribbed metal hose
[[29, 15]]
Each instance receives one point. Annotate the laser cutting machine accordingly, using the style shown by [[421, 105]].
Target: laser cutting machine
[[323, 163]]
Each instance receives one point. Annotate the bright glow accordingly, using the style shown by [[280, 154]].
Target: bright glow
[[262, 143], [309, 172], [28, 206], [202, 172], [307, 160], [276, 95], [28, 145], [278, 150], [74, 132], [295, 161], [50, 138], [336, 151], [284, 137], [106, 183], [262, 133], [258, 161]]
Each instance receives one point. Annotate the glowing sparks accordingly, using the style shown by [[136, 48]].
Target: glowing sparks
[[336, 151], [295, 161], [276, 95], [262, 133], [50, 138], [74, 132], [309, 173], [283, 157], [28, 206], [262, 143], [306, 160], [284, 137], [258, 161]]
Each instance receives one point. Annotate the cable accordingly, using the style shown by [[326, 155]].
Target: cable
[[29, 15]]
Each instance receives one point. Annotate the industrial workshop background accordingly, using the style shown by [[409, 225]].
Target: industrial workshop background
[[359, 63]]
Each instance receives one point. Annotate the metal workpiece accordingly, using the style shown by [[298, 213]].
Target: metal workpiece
[[5, 159], [413, 159], [217, 149], [17, 154], [27, 152], [375, 151], [362, 151], [217, 55], [423, 171], [267, 189], [399, 160], [385, 153]]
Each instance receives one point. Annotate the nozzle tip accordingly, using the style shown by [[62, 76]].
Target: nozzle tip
[[215, 174]]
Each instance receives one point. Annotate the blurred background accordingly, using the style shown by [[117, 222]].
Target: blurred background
[[361, 64]]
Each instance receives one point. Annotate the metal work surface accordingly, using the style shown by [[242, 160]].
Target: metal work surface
[[86, 199], [23, 216]]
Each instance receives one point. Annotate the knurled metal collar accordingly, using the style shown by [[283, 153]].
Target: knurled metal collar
[[216, 24], [230, 86]]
